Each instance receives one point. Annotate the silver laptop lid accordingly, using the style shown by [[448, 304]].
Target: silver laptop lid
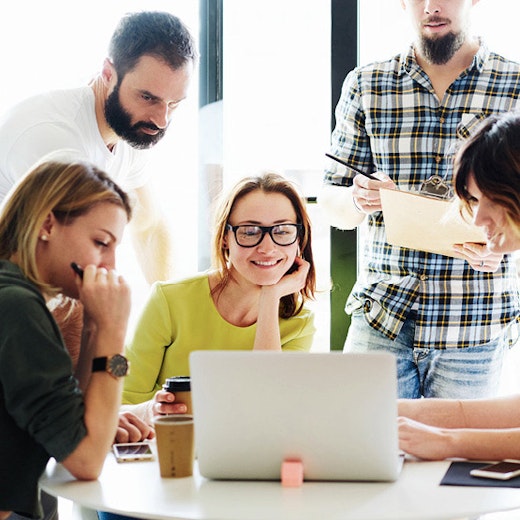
[[335, 412]]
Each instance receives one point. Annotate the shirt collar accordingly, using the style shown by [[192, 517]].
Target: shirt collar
[[408, 62]]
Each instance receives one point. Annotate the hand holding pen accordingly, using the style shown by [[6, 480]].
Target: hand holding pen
[[365, 187]]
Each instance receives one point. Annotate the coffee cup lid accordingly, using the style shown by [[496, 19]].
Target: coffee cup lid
[[177, 384]]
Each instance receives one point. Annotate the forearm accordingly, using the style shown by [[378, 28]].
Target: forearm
[[267, 325], [337, 205], [151, 237], [484, 444], [154, 251], [102, 398], [102, 401], [444, 413], [501, 412], [84, 365], [434, 443]]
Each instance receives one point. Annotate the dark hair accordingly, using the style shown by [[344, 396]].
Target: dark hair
[[151, 33], [291, 304], [492, 157]]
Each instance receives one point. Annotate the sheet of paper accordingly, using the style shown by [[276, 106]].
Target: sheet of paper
[[425, 223]]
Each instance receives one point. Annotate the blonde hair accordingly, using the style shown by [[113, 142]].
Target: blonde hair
[[291, 304], [66, 189]]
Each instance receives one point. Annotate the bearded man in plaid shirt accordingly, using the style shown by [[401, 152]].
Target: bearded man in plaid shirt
[[449, 321]]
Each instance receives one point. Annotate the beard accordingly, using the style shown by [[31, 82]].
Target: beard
[[439, 51], [121, 123]]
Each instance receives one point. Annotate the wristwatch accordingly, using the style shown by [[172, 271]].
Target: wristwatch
[[116, 365]]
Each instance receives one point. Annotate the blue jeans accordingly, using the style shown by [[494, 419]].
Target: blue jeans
[[454, 373]]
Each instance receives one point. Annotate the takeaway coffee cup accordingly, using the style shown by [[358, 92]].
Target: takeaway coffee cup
[[181, 387], [175, 445]]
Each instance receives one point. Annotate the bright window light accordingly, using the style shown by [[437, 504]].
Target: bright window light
[[58, 44]]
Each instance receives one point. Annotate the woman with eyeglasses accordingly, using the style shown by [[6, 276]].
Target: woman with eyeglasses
[[253, 298]]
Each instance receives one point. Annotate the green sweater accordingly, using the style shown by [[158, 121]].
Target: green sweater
[[41, 406], [180, 317]]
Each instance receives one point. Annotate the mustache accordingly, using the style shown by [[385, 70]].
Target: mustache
[[150, 126], [436, 19]]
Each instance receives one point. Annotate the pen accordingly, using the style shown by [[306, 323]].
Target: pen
[[77, 269], [345, 163]]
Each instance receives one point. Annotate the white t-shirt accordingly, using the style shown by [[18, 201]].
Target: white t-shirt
[[63, 120]]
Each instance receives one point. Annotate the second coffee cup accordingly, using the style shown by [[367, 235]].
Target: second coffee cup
[[174, 434], [181, 387]]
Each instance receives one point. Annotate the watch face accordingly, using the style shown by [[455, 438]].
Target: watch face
[[118, 365]]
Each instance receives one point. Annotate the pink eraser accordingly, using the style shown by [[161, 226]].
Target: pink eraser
[[292, 473]]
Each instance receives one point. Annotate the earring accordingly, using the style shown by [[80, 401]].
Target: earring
[[44, 238]]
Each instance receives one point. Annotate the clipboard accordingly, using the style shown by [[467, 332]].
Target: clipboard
[[426, 223]]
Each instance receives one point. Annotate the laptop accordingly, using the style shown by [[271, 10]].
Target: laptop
[[334, 412]]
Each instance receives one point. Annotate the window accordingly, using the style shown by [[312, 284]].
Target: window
[[276, 106]]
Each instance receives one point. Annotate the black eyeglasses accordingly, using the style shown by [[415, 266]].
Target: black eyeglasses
[[251, 236]]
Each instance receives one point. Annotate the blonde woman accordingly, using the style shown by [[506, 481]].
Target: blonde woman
[[59, 214]]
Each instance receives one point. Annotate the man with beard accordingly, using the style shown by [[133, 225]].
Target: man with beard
[[448, 320], [112, 122]]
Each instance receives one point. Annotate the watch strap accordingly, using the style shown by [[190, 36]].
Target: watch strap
[[99, 364]]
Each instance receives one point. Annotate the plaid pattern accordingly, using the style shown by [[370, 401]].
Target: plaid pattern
[[389, 119]]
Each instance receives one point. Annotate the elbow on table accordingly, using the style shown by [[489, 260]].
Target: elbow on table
[[84, 467], [87, 473]]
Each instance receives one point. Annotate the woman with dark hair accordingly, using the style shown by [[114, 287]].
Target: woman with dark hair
[[487, 181]]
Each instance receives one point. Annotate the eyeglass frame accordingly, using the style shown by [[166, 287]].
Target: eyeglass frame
[[265, 230]]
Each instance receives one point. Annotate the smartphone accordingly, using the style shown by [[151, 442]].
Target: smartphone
[[505, 470], [129, 451]]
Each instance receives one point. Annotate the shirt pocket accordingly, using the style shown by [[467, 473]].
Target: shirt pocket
[[468, 123]]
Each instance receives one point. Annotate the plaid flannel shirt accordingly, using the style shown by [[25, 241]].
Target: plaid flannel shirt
[[389, 119]]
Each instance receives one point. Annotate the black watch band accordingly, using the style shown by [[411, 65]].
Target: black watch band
[[116, 365], [99, 364]]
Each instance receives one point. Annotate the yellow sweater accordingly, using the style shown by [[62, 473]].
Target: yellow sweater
[[180, 317]]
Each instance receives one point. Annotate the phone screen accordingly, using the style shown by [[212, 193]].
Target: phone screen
[[132, 451], [504, 470], [502, 467]]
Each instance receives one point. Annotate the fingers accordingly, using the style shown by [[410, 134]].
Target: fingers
[[162, 396], [165, 404], [422, 440], [132, 429], [289, 283], [479, 256], [302, 269], [366, 192], [169, 409], [101, 274], [105, 296]]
